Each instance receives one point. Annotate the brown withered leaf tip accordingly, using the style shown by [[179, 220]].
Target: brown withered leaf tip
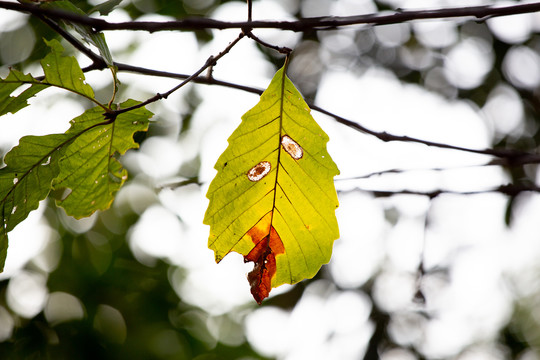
[[268, 244]]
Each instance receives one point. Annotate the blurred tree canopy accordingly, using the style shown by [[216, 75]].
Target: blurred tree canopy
[[89, 293]]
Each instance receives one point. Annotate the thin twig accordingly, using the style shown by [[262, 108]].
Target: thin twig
[[403, 171], [97, 60], [211, 61], [281, 49], [250, 10], [508, 189], [511, 156], [506, 157], [307, 24]]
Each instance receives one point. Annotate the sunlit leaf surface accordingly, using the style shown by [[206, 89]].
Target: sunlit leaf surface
[[90, 172], [60, 71], [273, 199]]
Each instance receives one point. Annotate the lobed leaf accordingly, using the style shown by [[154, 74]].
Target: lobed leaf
[[88, 34], [26, 180], [273, 199], [64, 71], [60, 71], [89, 168], [82, 160], [12, 104]]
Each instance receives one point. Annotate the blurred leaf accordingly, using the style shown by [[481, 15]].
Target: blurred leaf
[[3, 247], [26, 180], [273, 199], [106, 7], [64, 71], [60, 71], [89, 167], [87, 33], [13, 81]]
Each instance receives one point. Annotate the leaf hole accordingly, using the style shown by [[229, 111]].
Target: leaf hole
[[259, 171], [291, 147], [47, 162]]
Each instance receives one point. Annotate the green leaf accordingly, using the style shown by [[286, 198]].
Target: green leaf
[[64, 71], [273, 199], [26, 180], [12, 82], [89, 169], [60, 71], [83, 160], [87, 33], [106, 7], [3, 247]]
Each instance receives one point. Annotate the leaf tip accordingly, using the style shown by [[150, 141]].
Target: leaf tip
[[264, 256]]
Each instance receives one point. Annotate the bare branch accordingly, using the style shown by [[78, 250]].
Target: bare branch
[[506, 157], [508, 189], [307, 24], [210, 62], [511, 157]]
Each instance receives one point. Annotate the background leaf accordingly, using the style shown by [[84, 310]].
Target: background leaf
[[60, 71], [26, 180], [64, 71], [273, 199], [89, 168], [12, 82], [87, 33]]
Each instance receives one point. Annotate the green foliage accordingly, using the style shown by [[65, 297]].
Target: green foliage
[[82, 162], [89, 167], [273, 198], [60, 71], [86, 32], [12, 104]]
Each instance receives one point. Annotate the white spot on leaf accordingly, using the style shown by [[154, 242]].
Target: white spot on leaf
[[47, 162], [259, 171], [292, 147]]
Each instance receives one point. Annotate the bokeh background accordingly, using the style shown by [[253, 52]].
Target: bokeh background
[[456, 276]]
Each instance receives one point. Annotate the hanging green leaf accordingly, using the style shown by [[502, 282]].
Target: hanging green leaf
[[89, 169], [86, 32], [273, 199], [64, 71], [83, 162], [60, 71], [106, 7], [26, 180], [12, 104]]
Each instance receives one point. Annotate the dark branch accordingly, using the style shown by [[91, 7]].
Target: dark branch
[[508, 189], [506, 157], [511, 156], [306, 24], [210, 62]]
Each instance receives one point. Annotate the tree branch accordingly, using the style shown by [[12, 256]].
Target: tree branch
[[307, 24], [508, 189], [506, 157], [210, 62]]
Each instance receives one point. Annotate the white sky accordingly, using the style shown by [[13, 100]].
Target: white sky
[[486, 260]]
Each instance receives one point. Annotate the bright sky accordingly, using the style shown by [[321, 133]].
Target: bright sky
[[486, 260]]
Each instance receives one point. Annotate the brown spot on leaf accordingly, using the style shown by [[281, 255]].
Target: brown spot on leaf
[[259, 171], [268, 244], [292, 147]]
